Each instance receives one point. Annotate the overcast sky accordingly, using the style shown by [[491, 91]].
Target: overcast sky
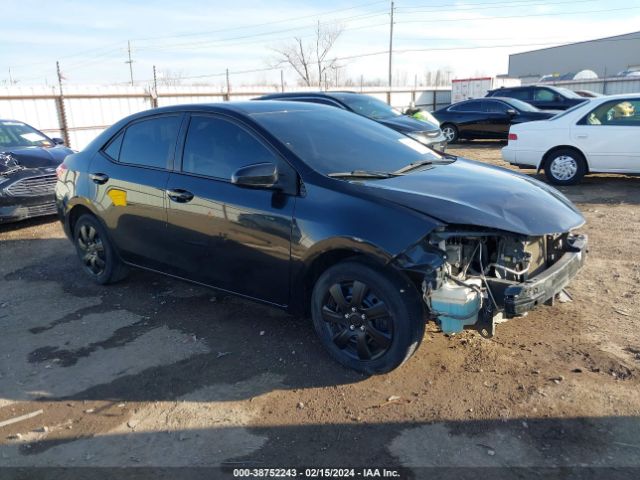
[[197, 37]]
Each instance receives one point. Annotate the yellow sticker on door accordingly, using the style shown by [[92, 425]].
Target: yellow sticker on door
[[118, 197]]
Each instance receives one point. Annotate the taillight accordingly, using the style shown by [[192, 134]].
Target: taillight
[[513, 136], [61, 170]]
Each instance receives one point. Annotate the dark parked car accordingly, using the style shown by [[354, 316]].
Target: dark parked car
[[544, 97], [317, 210], [485, 118], [28, 161], [426, 132]]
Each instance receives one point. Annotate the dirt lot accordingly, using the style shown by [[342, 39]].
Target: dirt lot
[[156, 372]]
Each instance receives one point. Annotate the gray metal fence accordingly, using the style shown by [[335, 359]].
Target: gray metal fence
[[85, 111]]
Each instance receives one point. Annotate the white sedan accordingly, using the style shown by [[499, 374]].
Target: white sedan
[[601, 135]]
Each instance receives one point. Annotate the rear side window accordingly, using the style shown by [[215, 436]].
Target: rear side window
[[468, 107], [523, 94], [495, 107], [113, 148], [216, 148], [150, 143]]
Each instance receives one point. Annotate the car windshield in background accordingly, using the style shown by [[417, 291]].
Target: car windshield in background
[[522, 106], [368, 106], [333, 141], [568, 93], [17, 134]]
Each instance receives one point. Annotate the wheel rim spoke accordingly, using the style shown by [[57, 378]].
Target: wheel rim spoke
[[379, 310], [338, 297], [357, 294], [342, 338], [333, 317], [380, 338], [363, 349]]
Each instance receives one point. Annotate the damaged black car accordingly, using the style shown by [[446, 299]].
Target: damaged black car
[[28, 162], [325, 214]]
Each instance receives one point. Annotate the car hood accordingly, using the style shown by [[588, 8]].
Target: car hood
[[405, 124], [465, 192], [35, 157]]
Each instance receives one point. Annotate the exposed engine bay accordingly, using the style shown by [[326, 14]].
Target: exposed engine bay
[[471, 277]]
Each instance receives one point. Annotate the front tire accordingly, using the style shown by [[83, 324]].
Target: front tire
[[367, 320], [99, 259], [565, 166]]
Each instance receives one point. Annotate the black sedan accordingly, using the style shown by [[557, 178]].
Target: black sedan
[[423, 130], [486, 118], [319, 211], [28, 161]]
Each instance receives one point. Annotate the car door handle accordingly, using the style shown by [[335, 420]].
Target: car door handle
[[582, 136], [179, 195], [99, 178]]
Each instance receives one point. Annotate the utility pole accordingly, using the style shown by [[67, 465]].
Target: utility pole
[[154, 97], [228, 87], [62, 113], [10, 77], [390, 53], [130, 62], [282, 80]]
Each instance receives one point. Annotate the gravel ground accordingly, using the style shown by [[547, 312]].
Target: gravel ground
[[160, 373]]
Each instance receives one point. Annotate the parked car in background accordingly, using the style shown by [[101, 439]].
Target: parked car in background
[[28, 161], [544, 97], [316, 210], [485, 118], [424, 131], [602, 135]]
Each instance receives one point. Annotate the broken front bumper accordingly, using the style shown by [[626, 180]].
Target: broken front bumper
[[525, 296]]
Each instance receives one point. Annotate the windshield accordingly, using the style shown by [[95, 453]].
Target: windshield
[[331, 140], [368, 106], [568, 93], [522, 106], [18, 134]]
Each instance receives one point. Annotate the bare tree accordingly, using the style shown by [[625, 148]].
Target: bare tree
[[310, 60]]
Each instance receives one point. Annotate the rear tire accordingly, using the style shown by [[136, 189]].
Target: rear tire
[[565, 166], [450, 132], [99, 259], [369, 320]]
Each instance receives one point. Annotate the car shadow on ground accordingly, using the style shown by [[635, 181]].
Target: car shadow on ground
[[583, 447], [194, 336]]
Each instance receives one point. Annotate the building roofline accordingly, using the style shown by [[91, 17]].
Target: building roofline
[[614, 37]]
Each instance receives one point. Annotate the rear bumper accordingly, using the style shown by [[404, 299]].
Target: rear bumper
[[525, 296], [521, 158]]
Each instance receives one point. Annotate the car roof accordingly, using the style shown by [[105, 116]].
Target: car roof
[[332, 94], [243, 107]]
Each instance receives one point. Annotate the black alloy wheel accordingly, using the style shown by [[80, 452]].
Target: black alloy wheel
[[92, 249], [99, 259], [368, 317], [358, 320]]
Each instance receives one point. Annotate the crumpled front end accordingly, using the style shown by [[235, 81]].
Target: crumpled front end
[[474, 277]]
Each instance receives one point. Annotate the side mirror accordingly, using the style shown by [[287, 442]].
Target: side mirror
[[512, 112], [258, 175], [58, 141]]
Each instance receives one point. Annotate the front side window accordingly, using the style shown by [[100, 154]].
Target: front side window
[[151, 142], [18, 134], [543, 95], [618, 113], [217, 148], [495, 107]]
